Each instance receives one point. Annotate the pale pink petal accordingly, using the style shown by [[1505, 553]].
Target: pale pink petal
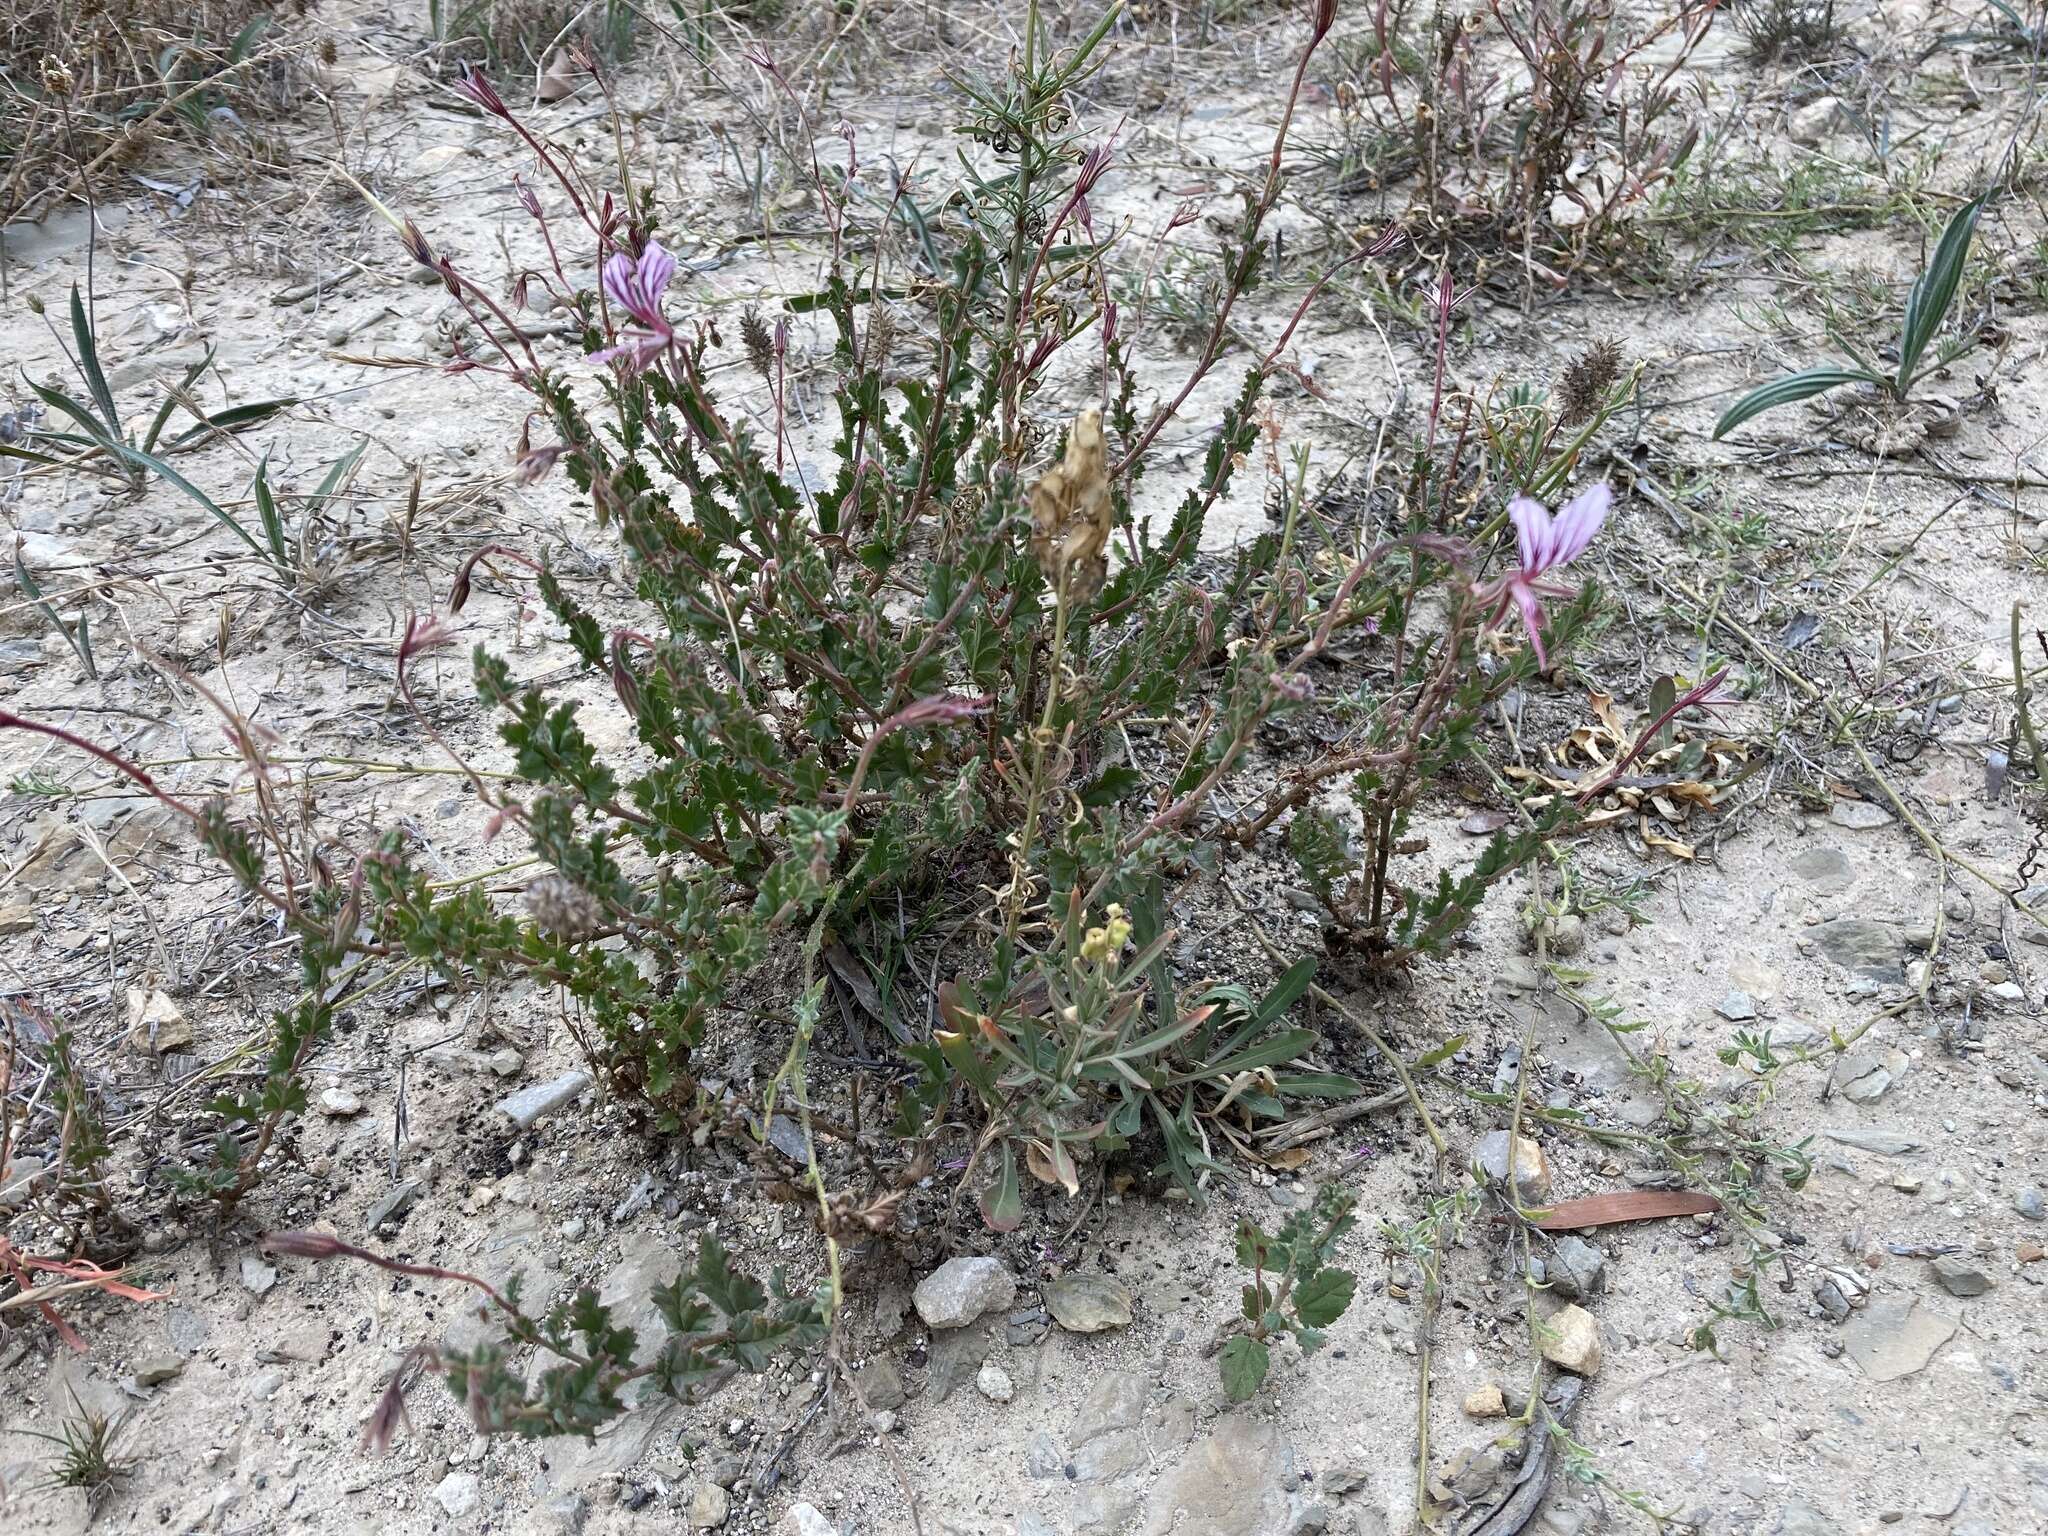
[[1578, 522], [618, 280], [1532, 532], [637, 287], [1532, 620], [657, 269]]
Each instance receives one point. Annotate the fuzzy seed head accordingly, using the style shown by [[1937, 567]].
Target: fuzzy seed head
[[560, 906]]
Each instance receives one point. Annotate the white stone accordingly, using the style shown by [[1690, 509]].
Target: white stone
[[457, 1494]]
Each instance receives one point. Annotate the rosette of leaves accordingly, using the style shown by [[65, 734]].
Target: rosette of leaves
[[1086, 1050]]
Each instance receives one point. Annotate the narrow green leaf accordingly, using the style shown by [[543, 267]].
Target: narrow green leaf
[[1270, 1052], [9, 451], [1935, 290], [56, 399], [1438, 1053], [1317, 1085], [150, 461], [1786, 390], [331, 481], [172, 398], [89, 363], [232, 419], [82, 643], [79, 641], [1287, 991], [266, 509], [1243, 1365]]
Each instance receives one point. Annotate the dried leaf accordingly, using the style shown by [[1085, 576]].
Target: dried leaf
[[561, 80], [1070, 512], [1603, 711], [1656, 840], [1053, 1165], [1632, 1205]]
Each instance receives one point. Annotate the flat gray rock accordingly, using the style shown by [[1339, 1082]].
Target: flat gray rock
[[1883, 1143], [1865, 1075], [1087, 1303], [1859, 815], [529, 1104], [1827, 870], [1890, 1339], [1862, 947], [1234, 1483]]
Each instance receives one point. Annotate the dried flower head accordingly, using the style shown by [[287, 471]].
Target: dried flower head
[[560, 906], [1070, 513], [1586, 380]]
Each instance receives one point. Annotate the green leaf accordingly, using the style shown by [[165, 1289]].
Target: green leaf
[[1322, 1297], [331, 481], [1271, 1052], [171, 399], [9, 451], [150, 461], [89, 364], [1321, 849], [232, 419], [1935, 290], [266, 509], [1002, 1206], [96, 431], [1439, 1053], [1285, 992], [1786, 390], [1243, 1365], [1111, 785]]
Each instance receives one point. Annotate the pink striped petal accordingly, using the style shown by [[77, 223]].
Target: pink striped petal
[[1578, 522], [1532, 532], [1532, 620]]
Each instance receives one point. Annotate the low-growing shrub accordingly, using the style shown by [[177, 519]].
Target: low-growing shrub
[[957, 672]]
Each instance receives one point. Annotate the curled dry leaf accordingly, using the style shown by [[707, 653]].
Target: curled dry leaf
[[1070, 512], [561, 80], [1662, 787], [1052, 1164]]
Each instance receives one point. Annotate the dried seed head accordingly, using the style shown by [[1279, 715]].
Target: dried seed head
[[1586, 380], [560, 906], [759, 344], [1071, 510], [880, 337]]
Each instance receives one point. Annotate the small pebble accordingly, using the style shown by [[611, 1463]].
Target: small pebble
[[993, 1382]]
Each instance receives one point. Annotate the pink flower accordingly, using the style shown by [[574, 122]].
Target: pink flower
[[1547, 543], [637, 287]]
